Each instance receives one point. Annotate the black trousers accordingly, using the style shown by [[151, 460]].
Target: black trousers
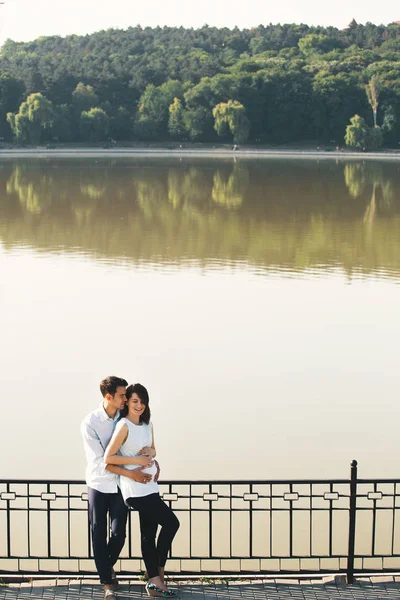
[[153, 512], [106, 552]]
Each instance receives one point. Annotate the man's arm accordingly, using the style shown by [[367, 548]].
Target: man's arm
[[95, 456], [153, 447], [93, 449], [157, 475], [136, 474]]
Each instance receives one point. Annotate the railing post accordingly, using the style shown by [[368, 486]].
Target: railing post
[[352, 522]]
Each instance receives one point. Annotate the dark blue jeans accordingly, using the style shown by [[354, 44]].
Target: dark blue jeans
[[106, 551]]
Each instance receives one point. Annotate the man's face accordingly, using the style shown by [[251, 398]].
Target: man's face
[[119, 399]]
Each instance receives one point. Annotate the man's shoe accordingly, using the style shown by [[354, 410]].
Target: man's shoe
[[109, 594]]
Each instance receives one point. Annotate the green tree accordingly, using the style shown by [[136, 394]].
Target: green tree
[[121, 124], [11, 93], [231, 116], [389, 124], [84, 97], [151, 114], [357, 133], [34, 116], [153, 109], [11, 90], [198, 122], [62, 126], [20, 127], [334, 99], [373, 91], [94, 125], [375, 138], [176, 125], [171, 89], [315, 42]]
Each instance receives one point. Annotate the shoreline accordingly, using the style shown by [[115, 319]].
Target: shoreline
[[195, 153]]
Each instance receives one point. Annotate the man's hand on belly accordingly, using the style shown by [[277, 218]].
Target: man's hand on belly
[[139, 476]]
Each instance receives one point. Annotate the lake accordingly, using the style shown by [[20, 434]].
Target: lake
[[258, 300]]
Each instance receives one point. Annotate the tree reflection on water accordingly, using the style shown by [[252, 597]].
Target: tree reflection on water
[[281, 215]]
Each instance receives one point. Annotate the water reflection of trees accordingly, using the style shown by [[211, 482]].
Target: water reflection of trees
[[264, 213], [230, 191], [361, 178], [34, 194]]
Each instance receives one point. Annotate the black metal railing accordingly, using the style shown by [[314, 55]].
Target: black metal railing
[[227, 527]]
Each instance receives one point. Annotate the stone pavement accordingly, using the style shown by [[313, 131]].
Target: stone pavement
[[365, 588]]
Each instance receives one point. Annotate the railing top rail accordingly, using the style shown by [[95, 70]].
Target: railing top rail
[[378, 480], [207, 481]]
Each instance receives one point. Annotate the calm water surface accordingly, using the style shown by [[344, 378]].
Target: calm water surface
[[258, 300]]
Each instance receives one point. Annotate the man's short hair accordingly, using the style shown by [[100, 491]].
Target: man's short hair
[[110, 384]]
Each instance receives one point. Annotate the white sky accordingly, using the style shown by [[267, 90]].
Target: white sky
[[23, 20]]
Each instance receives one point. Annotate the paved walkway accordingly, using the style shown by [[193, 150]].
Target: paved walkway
[[374, 588]]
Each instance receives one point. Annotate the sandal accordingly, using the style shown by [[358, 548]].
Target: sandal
[[153, 590]]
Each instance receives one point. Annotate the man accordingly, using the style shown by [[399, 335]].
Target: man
[[104, 494]]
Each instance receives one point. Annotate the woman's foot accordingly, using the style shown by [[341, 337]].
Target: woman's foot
[[158, 582], [109, 593], [114, 581], [161, 571], [156, 588]]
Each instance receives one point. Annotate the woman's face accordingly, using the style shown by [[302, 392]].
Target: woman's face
[[135, 405]]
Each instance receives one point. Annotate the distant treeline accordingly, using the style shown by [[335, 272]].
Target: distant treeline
[[270, 84]]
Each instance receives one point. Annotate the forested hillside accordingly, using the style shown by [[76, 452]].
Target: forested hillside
[[273, 84]]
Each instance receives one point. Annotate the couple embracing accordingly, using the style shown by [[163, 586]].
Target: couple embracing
[[121, 473]]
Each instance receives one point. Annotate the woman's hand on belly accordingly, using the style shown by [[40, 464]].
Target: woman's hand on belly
[[147, 451]]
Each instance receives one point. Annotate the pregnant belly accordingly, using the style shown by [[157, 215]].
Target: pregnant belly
[[151, 471]]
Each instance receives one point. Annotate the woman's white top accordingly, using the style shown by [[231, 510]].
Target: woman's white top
[[139, 436]]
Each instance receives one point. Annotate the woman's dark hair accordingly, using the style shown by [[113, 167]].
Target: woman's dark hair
[[140, 390]]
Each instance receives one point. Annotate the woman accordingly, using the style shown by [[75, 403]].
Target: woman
[[132, 445]]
